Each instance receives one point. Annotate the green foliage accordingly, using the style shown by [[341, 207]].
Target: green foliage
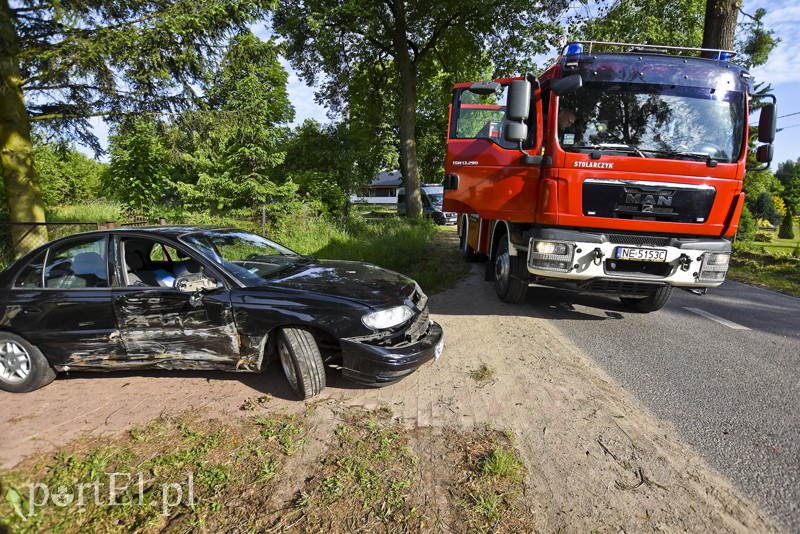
[[225, 159], [83, 58], [788, 174], [763, 237], [378, 60], [747, 225], [139, 172], [763, 207], [677, 23], [66, 175], [329, 161], [786, 230]]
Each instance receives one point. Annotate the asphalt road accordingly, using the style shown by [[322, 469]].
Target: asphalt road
[[724, 368]]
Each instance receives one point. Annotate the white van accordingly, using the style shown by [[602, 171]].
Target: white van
[[432, 196]]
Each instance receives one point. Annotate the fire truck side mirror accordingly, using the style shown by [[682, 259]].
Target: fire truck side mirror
[[516, 132], [767, 123], [764, 153], [566, 85], [518, 101]]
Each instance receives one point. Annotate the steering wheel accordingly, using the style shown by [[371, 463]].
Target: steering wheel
[[252, 257]]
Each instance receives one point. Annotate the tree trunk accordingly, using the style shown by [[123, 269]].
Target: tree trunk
[[408, 113], [720, 24], [16, 149]]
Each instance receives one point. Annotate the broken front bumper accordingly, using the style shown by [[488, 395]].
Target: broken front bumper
[[381, 365]]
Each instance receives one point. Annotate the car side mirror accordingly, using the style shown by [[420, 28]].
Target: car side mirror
[[196, 282]]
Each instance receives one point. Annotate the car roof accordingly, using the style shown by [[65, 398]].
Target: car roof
[[173, 231]]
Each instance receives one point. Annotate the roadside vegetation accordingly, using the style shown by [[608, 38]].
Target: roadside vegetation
[[768, 262], [174, 474], [183, 475]]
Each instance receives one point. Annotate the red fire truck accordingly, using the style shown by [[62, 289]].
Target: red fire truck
[[618, 171]]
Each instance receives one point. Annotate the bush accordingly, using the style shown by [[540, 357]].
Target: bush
[[763, 237], [787, 226], [747, 225]]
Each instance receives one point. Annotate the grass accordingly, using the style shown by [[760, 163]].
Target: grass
[[417, 249], [99, 211], [172, 474], [490, 495], [247, 475], [774, 265], [364, 479]]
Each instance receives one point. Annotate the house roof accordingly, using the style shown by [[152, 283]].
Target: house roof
[[387, 179]]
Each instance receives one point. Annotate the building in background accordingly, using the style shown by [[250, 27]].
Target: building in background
[[382, 190]]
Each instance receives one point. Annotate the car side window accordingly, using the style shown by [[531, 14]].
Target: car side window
[[31, 275], [150, 263], [76, 265]]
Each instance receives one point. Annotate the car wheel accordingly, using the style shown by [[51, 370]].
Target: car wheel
[[23, 367], [466, 250], [509, 275], [653, 302], [301, 361]]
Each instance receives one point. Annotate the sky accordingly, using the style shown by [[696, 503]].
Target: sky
[[780, 71]]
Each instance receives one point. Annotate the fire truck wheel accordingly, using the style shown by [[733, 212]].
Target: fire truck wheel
[[509, 275], [468, 252], [654, 302]]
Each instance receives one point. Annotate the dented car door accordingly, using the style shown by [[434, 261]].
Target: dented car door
[[162, 327]]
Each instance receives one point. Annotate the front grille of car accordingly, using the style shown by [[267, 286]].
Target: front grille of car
[[418, 298], [419, 327]]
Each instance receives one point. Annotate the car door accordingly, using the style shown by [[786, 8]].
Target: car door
[[161, 326], [61, 302]]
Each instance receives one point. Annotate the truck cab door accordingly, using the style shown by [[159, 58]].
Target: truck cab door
[[485, 173]]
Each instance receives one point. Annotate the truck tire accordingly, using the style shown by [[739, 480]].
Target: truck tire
[[509, 275], [301, 361], [653, 302], [468, 252], [23, 367]]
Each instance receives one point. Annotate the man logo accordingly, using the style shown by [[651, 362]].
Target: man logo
[[648, 201]]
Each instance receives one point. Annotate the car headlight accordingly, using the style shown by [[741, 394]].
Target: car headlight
[[383, 319]]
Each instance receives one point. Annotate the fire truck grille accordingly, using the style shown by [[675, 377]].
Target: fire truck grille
[[638, 240], [647, 201]]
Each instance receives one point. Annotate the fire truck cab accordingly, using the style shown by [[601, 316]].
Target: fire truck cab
[[618, 170]]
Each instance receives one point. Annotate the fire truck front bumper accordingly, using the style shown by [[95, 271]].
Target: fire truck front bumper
[[581, 256]]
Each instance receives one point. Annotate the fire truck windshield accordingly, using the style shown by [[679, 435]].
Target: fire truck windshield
[[646, 120]]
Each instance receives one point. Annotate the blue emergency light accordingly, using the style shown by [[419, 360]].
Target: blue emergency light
[[574, 49]]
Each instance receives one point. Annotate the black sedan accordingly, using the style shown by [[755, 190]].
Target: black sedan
[[172, 297]]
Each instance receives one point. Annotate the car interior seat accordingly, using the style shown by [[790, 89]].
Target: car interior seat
[[137, 271]]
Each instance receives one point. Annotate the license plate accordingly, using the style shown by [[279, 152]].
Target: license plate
[[439, 350], [641, 254]]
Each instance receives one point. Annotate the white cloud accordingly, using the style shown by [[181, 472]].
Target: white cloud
[[784, 20]]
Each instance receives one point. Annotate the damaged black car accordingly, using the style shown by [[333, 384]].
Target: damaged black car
[[173, 297]]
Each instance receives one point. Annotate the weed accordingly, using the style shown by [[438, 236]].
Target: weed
[[482, 374], [501, 462]]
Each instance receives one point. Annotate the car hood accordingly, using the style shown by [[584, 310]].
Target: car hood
[[368, 284]]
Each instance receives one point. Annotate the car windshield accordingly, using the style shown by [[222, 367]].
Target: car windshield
[[436, 198], [644, 120], [248, 257]]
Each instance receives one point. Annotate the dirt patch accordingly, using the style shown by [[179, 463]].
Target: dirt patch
[[594, 458]]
